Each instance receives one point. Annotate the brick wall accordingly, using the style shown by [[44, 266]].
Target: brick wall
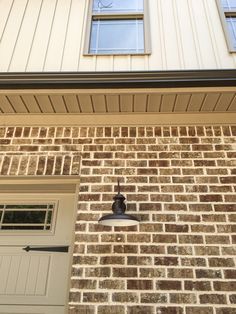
[[180, 181]]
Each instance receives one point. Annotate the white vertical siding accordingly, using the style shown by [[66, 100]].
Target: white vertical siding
[[48, 35]]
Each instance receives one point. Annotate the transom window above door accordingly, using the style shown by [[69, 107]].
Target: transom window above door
[[117, 27], [26, 216]]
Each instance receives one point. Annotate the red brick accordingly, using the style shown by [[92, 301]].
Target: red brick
[[97, 297], [168, 285], [224, 285], [111, 309], [125, 272], [212, 299], [166, 261], [208, 273], [197, 285], [153, 298], [140, 309], [199, 310], [180, 273], [112, 284], [125, 297], [139, 284]]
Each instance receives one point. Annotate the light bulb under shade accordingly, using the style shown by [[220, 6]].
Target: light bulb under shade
[[118, 220]]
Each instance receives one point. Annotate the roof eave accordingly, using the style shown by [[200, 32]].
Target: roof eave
[[107, 80]]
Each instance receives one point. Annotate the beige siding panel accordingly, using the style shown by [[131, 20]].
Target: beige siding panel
[[187, 43], [11, 33], [5, 10], [195, 102], [5, 105], [121, 63], [181, 103], [99, 103], [49, 35], [170, 37], [154, 103], [58, 35], [17, 103], [58, 103], [155, 58], [140, 103], [167, 103], [85, 103], [72, 104], [204, 40], [87, 63], [42, 36], [73, 43], [31, 103], [112, 103], [44, 103], [25, 38], [138, 62], [104, 63], [126, 103], [232, 106], [224, 101]]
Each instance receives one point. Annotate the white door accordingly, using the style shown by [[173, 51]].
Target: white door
[[35, 247]]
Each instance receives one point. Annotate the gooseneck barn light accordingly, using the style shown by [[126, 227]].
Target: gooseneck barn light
[[118, 218]]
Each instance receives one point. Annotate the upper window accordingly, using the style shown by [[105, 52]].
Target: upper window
[[227, 10], [117, 27]]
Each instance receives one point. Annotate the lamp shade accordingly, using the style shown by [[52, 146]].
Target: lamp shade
[[119, 218]]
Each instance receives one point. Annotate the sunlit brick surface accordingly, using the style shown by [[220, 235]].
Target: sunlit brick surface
[[181, 183]]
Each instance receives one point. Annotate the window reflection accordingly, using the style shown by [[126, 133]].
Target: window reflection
[[229, 4], [117, 6]]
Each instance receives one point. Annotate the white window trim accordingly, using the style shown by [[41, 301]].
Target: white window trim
[[144, 15], [223, 14]]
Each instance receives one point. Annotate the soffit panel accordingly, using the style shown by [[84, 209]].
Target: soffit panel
[[117, 102]]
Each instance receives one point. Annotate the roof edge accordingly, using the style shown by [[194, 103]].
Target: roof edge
[[97, 80]]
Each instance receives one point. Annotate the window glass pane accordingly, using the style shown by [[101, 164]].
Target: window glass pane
[[26, 217], [118, 6], [229, 4], [117, 36], [231, 22]]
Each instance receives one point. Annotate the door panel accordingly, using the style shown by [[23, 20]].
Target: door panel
[[36, 277]]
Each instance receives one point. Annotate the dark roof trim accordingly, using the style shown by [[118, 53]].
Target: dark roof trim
[[105, 80]]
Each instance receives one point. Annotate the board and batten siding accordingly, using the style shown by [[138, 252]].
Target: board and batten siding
[[48, 35]]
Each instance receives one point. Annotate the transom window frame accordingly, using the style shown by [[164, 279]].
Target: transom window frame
[[223, 15], [25, 201], [116, 16]]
